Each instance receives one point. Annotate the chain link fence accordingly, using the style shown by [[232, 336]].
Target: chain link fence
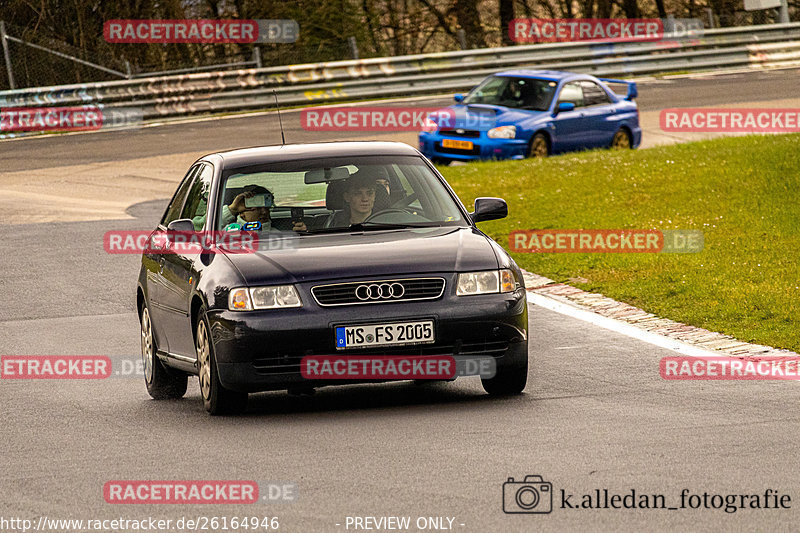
[[37, 61]]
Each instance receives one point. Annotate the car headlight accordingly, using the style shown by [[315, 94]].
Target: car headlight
[[429, 126], [275, 297], [502, 132], [487, 282]]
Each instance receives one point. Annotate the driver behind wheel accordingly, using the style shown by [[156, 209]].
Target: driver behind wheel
[[359, 195]]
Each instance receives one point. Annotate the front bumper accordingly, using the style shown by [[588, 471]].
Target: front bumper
[[430, 144], [262, 350]]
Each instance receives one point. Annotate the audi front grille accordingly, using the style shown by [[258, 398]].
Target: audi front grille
[[379, 291]]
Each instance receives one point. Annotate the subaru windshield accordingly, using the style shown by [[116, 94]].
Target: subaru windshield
[[520, 93]]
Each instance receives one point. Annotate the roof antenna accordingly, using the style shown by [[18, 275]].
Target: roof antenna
[[283, 139]]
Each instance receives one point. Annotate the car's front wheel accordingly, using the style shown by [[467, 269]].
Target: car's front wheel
[[162, 383], [539, 146], [216, 398], [508, 380]]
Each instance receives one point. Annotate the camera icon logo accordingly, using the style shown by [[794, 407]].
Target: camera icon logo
[[533, 495]]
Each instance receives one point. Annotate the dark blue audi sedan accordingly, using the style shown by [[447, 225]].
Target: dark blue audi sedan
[[362, 249], [533, 113]]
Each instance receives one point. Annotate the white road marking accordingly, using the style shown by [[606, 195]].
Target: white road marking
[[623, 328]]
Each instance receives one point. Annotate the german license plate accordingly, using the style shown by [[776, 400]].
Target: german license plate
[[459, 145], [394, 334]]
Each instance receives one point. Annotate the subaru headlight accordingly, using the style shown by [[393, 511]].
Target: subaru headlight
[[502, 132], [429, 126], [487, 282], [275, 297]]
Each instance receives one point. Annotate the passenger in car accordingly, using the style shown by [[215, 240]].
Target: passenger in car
[[237, 211]]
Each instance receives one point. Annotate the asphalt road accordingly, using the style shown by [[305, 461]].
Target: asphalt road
[[596, 413], [254, 130]]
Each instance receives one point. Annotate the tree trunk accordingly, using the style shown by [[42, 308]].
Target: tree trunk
[[662, 12], [506, 16], [631, 8], [469, 20]]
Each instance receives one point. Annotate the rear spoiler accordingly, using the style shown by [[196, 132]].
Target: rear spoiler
[[632, 91]]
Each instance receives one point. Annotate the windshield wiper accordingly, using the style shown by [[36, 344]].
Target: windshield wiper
[[369, 226]]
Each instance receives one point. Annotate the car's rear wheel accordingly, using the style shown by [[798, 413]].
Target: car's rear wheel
[[621, 140], [162, 383], [216, 399], [539, 146], [508, 380]]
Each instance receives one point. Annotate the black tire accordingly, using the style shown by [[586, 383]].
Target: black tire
[[621, 140], [507, 381], [440, 161], [217, 400], [539, 146], [162, 383]]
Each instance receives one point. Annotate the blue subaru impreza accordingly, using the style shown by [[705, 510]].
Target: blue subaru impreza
[[533, 113]]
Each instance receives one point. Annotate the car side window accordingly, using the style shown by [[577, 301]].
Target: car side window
[[174, 209], [572, 93], [593, 94], [196, 207]]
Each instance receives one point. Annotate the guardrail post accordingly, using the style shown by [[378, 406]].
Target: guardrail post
[[128, 68], [353, 47], [257, 56], [710, 13], [7, 55], [462, 38], [669, 24], [784, 11]]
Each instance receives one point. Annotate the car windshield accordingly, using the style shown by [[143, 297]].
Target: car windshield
[[519, 93], [336, 194]]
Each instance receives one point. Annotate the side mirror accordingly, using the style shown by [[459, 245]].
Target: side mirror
[[182, 225], [489, 209], [564, 106], [458, 98]]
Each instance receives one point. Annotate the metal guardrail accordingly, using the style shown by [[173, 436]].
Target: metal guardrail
[[766, 46]]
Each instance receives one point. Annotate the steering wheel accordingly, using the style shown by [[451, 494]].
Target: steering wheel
[[403, 202], [395, 210]]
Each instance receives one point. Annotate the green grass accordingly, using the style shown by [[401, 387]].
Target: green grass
[[743, 192]]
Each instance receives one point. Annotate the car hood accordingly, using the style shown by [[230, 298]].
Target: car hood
[[472, 113], [371, 254]]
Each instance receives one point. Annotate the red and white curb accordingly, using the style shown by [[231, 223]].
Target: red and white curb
[[638, 323]]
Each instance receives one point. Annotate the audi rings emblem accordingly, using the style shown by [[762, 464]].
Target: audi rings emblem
[[383, 291]]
